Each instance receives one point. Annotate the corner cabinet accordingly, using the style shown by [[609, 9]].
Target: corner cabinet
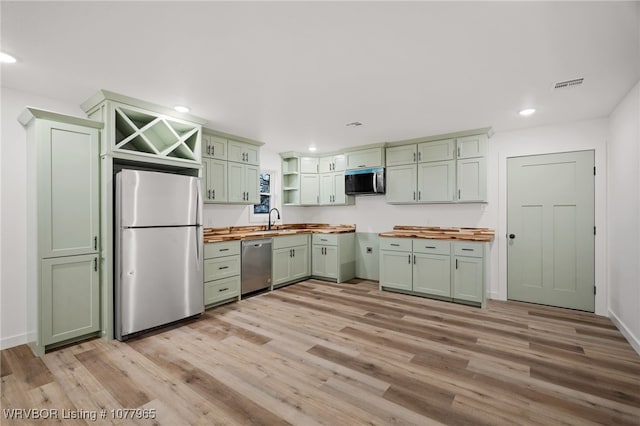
[[63, 283], [333, 256], [445, 270]]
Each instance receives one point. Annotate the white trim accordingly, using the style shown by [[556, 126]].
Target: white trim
[[275, 199], [11, 341], [633, 340]]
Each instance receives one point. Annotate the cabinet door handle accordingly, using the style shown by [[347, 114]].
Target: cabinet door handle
[[456, 263], [213, 193], [223, 289], [209, 194], [293, 251], [213, 150], [419, 195], [414, 157], [409, 259], [419, 156], [414, 195], [458, 151], [208, 149], [95, 264], [458, 194], [414, 259], [95, 243]]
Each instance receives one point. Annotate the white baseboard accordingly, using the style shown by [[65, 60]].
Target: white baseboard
[[11, 341], [634, 341], [493, 295]]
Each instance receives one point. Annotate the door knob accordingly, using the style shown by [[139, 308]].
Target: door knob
[[512, 236]]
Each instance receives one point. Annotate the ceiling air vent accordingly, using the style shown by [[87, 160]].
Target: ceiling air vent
[[568, 83]]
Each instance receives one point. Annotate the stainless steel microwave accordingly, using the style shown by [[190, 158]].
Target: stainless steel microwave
[[364, 181]]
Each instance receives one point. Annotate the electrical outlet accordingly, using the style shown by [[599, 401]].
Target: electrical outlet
[[369, 250]]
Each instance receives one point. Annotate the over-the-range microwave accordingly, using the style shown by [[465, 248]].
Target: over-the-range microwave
[[364, 181]]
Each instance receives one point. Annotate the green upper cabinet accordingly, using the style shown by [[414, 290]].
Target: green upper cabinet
[[214, 179], [243, 184], [401, 155], [241, 152], [365, 158], [309, 165], [332, 189], [436, 150], [309, 189], [141, 131], [472, 146], [332, 163], [214, 146], [446, 170]]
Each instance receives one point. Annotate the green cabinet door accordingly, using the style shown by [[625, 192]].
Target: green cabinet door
[[396, 270], [215, 179], [241, 152], [472, 146], [339, 196], [252, 184], [68, 194], [432, 274], [235, 174], [468, 278], [281, 264], [436, 181], [436, 151], [472, 179], [327, 188], [325, 261], [401, 184], [299, 268], [70, 300], [309, 189], [400, 155], [318, 261]]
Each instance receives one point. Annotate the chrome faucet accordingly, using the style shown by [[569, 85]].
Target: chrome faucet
[[269, 221]]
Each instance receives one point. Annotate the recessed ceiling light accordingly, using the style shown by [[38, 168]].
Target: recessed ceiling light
[[527, 112], [5, 58], [354, 124], [312, 148], [181, 108]]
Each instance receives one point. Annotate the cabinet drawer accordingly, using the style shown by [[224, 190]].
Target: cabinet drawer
[[217, 291], [290, 241], [397, 244], [223, 267], [227, 248], [325, 239], [431, 246], [469, 249]]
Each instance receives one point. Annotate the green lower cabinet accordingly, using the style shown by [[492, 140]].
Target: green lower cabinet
[[70, 298], [333, 257], [290, 259], [432, 274], [396, 270], [290, 264], [440, 269]]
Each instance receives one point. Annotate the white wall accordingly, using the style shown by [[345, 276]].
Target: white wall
[[624, 216], [372, 214], [13, 228]]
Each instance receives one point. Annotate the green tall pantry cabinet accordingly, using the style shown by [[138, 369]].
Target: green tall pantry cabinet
[[63, 259]]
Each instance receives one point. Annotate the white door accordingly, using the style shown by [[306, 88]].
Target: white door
[[550, 222]]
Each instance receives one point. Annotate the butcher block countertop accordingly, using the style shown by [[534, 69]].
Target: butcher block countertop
[[230, 233], [437, 233]]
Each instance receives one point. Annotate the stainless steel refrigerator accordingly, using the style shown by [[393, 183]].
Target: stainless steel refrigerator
[[158, 244]]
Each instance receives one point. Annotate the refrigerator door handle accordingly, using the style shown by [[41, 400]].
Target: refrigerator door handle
[[196, 183]]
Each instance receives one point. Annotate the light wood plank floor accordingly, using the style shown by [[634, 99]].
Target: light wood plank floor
[[345, 354]]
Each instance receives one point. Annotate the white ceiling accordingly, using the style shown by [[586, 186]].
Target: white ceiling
[[294, 73]]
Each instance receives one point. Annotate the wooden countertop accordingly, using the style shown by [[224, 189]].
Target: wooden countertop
[[230, 233], [437, 233]]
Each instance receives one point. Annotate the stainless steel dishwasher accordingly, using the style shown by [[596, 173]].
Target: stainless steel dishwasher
[[256, 265]]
